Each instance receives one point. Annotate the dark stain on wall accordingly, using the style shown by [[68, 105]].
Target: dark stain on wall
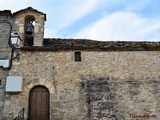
[[110, 99], [98, 99]]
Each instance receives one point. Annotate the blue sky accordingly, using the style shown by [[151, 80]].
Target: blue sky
[[106, 20]]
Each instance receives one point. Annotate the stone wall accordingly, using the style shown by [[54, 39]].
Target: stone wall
[[4, 48], [4, 37], [105, 85]]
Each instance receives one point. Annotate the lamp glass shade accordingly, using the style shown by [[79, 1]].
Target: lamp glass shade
[[15, 40]]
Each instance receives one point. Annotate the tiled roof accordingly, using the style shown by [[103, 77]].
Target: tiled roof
[[85, 44]]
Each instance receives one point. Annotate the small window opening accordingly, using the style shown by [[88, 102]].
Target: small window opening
[[77, 56]]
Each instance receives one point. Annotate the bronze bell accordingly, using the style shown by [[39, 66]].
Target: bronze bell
[[29, 31], [29, 26]]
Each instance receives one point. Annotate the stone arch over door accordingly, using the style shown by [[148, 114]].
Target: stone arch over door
[[39, 98]]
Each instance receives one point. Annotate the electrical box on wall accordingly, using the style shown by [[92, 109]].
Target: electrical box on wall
[[5, 63], [14, 84]]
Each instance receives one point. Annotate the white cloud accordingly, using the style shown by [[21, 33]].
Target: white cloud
[[67, 12], [76, 9], [138, 5], [121, 26], [12, 5], [49, 32]]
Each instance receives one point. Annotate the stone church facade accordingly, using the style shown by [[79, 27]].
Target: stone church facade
[[77, 79]]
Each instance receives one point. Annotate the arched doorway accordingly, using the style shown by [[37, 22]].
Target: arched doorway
[[39, 103]]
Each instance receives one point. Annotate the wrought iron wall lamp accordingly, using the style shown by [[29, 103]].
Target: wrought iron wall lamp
[[14, 42]]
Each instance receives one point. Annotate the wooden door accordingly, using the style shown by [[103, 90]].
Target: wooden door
[[39, 103]]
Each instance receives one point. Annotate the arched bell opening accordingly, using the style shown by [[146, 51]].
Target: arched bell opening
[[29, 30]]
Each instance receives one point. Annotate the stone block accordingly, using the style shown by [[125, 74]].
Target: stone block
[[56, 104]]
